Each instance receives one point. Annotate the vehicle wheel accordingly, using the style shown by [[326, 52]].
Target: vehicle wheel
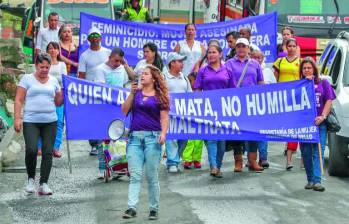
[[338, 159]]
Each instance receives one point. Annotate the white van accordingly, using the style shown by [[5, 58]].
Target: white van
[[334, 66]]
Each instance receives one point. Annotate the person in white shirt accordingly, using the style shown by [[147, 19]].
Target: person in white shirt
[[93, 56], [88, 61], [269, 78], [177, 82], [57, 70], [48, 34], [116, 71]]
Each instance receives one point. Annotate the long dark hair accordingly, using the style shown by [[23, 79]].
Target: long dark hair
[[315, 69], [157, 60], [161, 90]]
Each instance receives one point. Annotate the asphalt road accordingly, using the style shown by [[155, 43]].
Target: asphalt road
[[274, 196]]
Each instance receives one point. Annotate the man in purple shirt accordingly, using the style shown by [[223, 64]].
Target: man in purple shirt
[[253, 76]]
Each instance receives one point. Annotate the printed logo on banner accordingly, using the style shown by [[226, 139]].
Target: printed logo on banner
[[131, 36], [235, 114]]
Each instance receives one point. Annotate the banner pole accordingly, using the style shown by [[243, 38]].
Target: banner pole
[[69, 161], [320, 157]]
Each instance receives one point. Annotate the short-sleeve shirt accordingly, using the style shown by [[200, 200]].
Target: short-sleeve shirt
[[145, 113], [288, 70], [39, 105], [114, 77], [91, 59], [58, 70], [141, 65], [253, 74], [323, 93], [177, 84], [209, 79]]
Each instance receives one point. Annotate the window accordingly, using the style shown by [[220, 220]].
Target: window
[[235, 3], [326, 66], [324, 54], [346, 72], [334, 71]]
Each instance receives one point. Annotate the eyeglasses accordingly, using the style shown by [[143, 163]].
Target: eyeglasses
[[94, 35]]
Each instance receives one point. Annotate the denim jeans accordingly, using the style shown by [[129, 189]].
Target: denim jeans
[[263, 150], [173, 151], [143, 150], [59, 131], [216, 150], [310, 154]]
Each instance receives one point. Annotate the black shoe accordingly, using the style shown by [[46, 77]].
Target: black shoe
[[153, 215], [129, 213]]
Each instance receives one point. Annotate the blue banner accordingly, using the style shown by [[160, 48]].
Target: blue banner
[[275, 112], [131, 36]]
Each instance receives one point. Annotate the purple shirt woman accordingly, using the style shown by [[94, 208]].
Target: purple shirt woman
[[214, 76], [149, 106], [311, 151], [69, 52]]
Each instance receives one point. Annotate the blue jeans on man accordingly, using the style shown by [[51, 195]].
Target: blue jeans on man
[[311, 159], [216, 150], [263, 150], [143, 150]]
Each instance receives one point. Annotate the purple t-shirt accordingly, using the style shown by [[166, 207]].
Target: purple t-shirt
[[73, 56], [253, 74], [145, 113], [323, 92], [209, 79]]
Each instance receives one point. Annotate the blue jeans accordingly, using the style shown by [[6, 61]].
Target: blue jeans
[[143, 150], [216, 150], [310, 154], [173, 151], [59, 131], [263, 150]]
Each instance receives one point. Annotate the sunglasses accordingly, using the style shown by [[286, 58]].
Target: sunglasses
[[94, 35]]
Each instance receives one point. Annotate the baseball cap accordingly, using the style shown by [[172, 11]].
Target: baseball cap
[[243, 41], [174, 56], [94, 30]]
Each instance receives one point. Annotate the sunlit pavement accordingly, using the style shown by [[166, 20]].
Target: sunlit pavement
[[274, 196]]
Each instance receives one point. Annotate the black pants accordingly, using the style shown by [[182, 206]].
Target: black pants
[[32, 132], [241, 146]]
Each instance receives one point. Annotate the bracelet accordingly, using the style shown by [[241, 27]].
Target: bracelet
[[324, 116]]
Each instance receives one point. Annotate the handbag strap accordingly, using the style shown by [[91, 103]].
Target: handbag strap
[[243, 73]]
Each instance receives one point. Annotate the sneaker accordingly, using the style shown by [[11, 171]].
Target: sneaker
[[289, 167], [173, 169], [39, 152], [197, 165], [187, 165], [214, 171], [153, 215], [57, 154], [129, 213], [219, 174], [44, 189], [100, 174], [318, 187], [309, 186], [30, 186], [93, 151], [264, 164]]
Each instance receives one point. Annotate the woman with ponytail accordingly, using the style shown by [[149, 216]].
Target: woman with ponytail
[[149, 104], [151, 57]]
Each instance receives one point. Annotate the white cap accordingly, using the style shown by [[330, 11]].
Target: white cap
[[94, 30], [174, 56], [243, 41]]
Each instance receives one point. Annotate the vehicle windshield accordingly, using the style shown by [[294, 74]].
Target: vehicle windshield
[[346, 72], [69, 13], [309, 11]]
